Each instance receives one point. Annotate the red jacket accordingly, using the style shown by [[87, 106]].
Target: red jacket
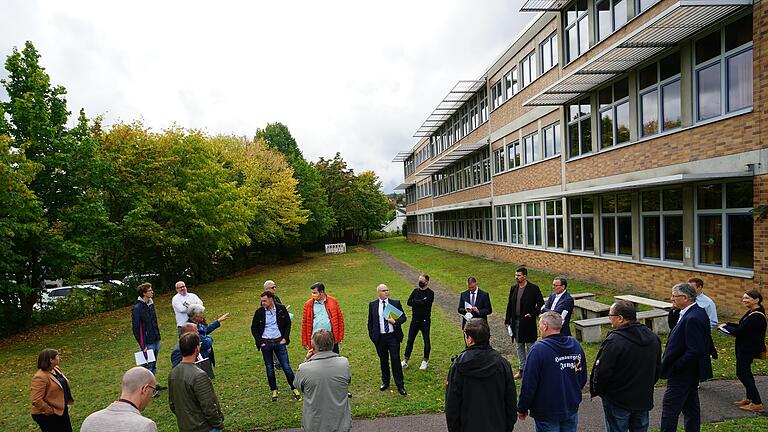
[[334, 314]]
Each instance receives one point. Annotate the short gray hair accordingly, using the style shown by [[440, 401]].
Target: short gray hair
[[195, 309], [552, 319], [322, 340], [381, 287], [685, 289], [135, 378]]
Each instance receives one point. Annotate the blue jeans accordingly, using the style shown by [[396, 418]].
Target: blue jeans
[[567, 425], [282, 356], [618, 419], [152, 366]]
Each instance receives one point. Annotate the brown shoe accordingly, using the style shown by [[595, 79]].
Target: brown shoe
[[742, 402], [519, 375], [752, 407]]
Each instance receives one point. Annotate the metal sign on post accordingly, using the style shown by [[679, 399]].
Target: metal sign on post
[[336, 248]]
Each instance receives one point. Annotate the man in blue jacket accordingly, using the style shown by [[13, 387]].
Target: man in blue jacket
[[561, 302], [686, 361], [555, 373]]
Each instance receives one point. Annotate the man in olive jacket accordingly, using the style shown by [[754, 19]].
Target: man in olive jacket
[[481, 394], [524, 305], [190, 392]]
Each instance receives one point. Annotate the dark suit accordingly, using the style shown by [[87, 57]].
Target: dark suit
[[685, 363], [482, 303], [530, 304], [564, 304], [387, 344]]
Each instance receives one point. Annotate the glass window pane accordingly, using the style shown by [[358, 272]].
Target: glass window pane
[[669, 66], [586, 205], [624, 203], [586, 136], [673, 238], [709, 197], [651, 237], [619, 13], [708, 47], [550, 207], [551, 234], [583, 35], [608, 204], [604, 21], [673, 199], [649, 107], [650, 201], [710, 239], [536, 147], [622, 123], [671, 106], [585, 107], [605, 97], [620, 89], [589, 235], [708, 92], [648, 76], [572, 39], [606, 128], [740, 81], [625, 235], [609, 236], [581, 6], [738, 32], [740, 241], [575, 204], [576, 234], [645, 4], [559, 228], [738, 195], [571, 15], [573, 139]]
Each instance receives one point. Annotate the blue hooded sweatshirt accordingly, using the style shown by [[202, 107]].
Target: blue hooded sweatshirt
[[555, 373]]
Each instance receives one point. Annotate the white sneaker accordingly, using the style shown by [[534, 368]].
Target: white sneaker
[[424, 365], [404, 364]]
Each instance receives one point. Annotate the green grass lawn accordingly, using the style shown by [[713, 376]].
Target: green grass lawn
[[97, 350], [451, 270]]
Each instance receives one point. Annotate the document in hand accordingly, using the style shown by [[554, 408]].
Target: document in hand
[[392, 312], [724, 331], [141, 358]]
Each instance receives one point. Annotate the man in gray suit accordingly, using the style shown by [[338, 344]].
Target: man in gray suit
[[124, 415], [324, 379]]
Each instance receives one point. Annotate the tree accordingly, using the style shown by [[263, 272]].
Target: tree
[[374, 205], [314, 198]]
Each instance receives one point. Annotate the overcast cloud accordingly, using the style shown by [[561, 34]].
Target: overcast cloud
[[348, 76]]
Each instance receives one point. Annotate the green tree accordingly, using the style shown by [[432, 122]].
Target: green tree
[[374, 205], [314, 198]]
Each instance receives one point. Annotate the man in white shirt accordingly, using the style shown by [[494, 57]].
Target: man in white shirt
[[181, 301], [561, 302], [705, 302]]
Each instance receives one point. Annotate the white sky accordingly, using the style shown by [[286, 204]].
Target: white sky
[[348, 76]]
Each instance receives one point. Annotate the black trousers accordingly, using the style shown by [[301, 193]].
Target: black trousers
[[53, 422], [681, 395], [413, 331], [744, 373], [388, 349]]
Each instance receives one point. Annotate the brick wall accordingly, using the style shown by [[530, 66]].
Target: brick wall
[[535, 176], [477, 192]]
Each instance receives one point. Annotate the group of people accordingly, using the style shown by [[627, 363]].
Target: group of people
[[480, 390]]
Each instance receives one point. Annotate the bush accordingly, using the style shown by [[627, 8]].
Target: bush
[[77, 304], [376, 235]]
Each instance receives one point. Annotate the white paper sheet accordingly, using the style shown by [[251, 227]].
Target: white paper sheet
[[140, 359]]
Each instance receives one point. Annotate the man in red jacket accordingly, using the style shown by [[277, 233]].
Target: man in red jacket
[[321, 312]]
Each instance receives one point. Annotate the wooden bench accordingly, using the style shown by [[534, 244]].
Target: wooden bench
[[578, 296], [645, 301], [589, 330], [586, 309]]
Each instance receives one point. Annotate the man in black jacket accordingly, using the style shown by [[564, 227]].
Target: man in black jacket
[[474, 301], [625, 371], [386, 334], [481, 394], [420, 301], [271, 329], [523, 306]]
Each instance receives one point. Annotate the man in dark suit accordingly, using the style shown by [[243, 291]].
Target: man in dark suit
[[686, 362], [524, 305], [474, 301], [386, 334], [561, 302]]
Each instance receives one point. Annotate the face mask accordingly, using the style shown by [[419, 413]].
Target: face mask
[[422, 284]]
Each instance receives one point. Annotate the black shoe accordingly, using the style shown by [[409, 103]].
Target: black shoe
[[160, 387], [383, 387], [402, 391]]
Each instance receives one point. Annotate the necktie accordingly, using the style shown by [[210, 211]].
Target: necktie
[[386, 323], [472, 299]]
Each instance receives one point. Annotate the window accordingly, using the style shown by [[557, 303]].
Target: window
[[659, 85], [551, 139], [725, 235], [548, 50], [510, 84], [533, 223], [576, 30], [486, 161], [527, 70], [516, 223], [496, 95], [723, 73], [611, 14], [410, 195], [499, 160], [642, 5], [662, 230], [483, 107], [579, 128], [616, 215], [532, 148], [554, 218], [614, 113], [582, 225], [501, 223], [513, 155]]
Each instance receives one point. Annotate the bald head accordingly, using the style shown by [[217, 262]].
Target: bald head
[[135, 378]]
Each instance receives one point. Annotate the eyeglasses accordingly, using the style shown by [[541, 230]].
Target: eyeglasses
[[674, 296], [153, 388], [614, 315]]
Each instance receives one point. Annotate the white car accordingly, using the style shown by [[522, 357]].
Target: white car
[[53, 294]]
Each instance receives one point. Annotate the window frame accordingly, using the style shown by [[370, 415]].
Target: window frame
[[616, 215], [549, 45], [723, 212], [658, 87], [662, 214]]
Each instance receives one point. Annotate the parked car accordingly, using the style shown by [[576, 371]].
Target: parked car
[[50, 295]]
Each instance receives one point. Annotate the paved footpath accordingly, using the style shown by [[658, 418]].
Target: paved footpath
[[715, 396]]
